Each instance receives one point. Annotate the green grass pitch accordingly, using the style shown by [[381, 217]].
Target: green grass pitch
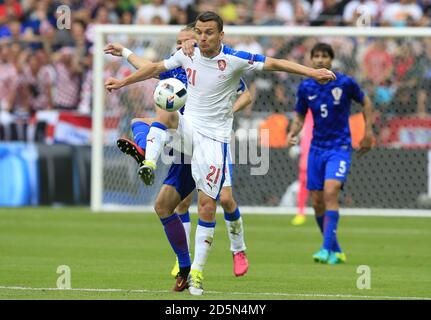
[[130, 252]]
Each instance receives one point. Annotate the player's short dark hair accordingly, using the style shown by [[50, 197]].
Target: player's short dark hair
[[191, 25], [322, 47], [211, 16]]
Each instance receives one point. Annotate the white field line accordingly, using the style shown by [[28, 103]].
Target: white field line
[[372, 212], [275, 294]]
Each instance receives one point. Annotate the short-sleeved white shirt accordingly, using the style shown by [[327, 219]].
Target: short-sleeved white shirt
[[212, 87]]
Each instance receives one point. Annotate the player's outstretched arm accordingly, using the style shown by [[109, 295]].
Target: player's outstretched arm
[[367, 141], [137, 62], [321, 75], [150, 70], [243, 101], [118, 50], [295, 129]]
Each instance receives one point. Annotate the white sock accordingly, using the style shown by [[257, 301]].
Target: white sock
[[187, 228], [235, 232], [156, 139], [203, 242]]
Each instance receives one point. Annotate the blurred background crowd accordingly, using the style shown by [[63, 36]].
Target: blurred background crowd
[[43, 67]]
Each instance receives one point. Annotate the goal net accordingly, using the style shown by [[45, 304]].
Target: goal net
[[393, 66]]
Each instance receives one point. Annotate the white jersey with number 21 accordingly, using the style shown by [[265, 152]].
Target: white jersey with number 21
[[212, 88]]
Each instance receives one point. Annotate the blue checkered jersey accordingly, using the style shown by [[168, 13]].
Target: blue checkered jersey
[[178, 73], [242, 87], [330, 105]]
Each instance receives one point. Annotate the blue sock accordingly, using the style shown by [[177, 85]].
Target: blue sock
[[319, 220], [206, 224], [330, 229], [174, 230], [233, 216], [140, 131], [185, 217], [335, 247]]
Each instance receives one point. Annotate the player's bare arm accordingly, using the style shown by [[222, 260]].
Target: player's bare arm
[[118, 50], [150, 70], [243, 101], [367, 141], [323, 74], [295, 129]]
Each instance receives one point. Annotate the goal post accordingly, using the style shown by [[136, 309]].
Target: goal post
[[114, 181], [97, 123]]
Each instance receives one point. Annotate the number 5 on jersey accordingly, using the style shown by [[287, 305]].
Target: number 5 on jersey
[[191, 76], [323, 110]]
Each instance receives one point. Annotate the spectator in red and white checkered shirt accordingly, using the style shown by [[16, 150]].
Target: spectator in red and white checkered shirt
[[68, 80], [40, 80], [8, 78]]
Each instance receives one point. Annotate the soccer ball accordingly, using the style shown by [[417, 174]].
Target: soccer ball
[[170, 94]]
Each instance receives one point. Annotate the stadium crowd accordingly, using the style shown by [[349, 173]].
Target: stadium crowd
[[43, 67]]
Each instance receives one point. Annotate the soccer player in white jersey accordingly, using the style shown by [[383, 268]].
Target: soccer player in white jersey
[[205, 128], [140, 128]]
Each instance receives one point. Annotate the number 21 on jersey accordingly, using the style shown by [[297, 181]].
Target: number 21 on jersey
[[213, 170], [191, 76]]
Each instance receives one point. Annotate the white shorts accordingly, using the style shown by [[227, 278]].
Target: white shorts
[[210, 158], [228, 169]]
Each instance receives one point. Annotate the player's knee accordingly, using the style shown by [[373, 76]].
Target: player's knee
[[318, 205], [169, 119], [207, 208], [184, 206], [135, 120], [330, 195], [228, 203], [188, 201], [162, 208], [319, 208], [147, 121]]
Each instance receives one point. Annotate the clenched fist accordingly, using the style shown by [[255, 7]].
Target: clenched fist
[[113, 84], [188, 47], [292, 140], [323, 75], [115, 49]]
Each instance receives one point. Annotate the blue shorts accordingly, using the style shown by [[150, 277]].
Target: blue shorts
[[180, 177], [324, 164]]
